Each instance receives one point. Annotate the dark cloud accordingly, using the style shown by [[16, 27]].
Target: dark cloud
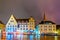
[[27, 8]]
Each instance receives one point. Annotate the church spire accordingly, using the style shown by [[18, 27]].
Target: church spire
[[44, 17]]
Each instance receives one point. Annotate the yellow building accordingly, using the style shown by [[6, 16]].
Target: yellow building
[[31, 24], [2, 25], [1, 28], [47, 26]]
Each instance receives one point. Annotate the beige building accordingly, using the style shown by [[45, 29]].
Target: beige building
[[47, 26]]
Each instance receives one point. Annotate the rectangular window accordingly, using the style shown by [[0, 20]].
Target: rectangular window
[[21, 28], [41, 26], [50, 29], [53, 29], [26, 28], [45, 29], [50, 26], [41, 29], [12, 21], [45, 26], [22, 25]]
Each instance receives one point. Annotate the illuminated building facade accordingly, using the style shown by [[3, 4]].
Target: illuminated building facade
[[1, 27], [11, 27], [47, 26], [16, 28], [37, 31], [26, 24]]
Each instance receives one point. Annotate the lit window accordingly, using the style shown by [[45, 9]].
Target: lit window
[[50, 26], [50, 29], [23, 28], [45, 29], [53, 26], [26, 28], [19, 25], [41, 26], [9, 36], [22, 25], [41, 29], [31, 23], [11, 18], [45, 26], [54, 29], [25, 25], [12, 21]]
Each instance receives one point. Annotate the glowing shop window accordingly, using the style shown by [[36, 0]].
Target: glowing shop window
[[7, 29], [10, 29], [9, 36]]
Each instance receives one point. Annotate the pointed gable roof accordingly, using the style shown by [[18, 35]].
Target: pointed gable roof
[[12, 18]]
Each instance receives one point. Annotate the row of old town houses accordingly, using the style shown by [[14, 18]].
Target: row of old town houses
[[27, 26]]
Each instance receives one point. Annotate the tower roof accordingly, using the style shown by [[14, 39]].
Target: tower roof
[[44, 17], [45, 21]]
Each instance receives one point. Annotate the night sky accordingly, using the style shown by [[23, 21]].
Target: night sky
[[27, 8]]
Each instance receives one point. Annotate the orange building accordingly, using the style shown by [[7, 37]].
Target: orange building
[[3, 37]]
